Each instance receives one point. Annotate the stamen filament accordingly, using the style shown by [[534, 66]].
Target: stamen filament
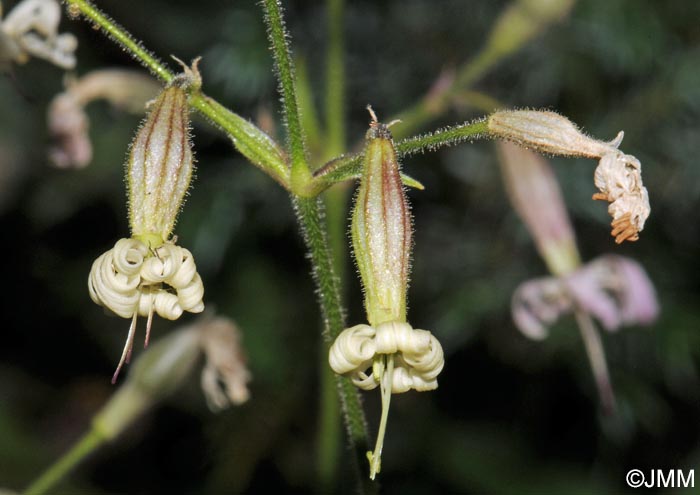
[[126, 353]]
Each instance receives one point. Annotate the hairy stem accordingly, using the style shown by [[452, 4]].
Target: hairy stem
[[279, 41], [120, 36], [310, 216], [349, 167]]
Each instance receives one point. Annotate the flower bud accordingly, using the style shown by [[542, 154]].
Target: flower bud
[[382, 230]]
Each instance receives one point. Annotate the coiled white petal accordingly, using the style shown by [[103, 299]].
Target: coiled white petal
[[417, 356], [128, 256], [395, 337], [186, 270], [190, 296], [353, 348], [361, 380], [112, 289], [164, 265], [167, 305], [430, 363], [401, 380]]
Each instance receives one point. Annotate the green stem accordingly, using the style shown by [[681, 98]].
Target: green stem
[[335, 80], [66, 463], [310, 216], [277, 32], [350, 166], [121, 36], [329, 431], [336, 208], [596, 356], [259, 148]]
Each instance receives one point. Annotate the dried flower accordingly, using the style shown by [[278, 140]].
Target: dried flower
[[225, 376], [618, 176], [613, 289], [31, 29], [167, 364], [148, 273], [68, 123]]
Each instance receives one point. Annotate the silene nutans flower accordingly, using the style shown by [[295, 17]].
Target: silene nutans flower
[[618, 176], [149, 273], [387, 353]]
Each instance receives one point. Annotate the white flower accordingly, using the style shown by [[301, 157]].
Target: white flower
[[418, 356], [132, 280]]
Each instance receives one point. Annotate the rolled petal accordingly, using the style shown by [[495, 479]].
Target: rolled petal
[[164, 265], [401, 380], [186, 270], [364, 381], [190, 296], [352, 349], [396, 336], [111, 288], [537, 304], [167, 305], [429, 363], [128, 256]]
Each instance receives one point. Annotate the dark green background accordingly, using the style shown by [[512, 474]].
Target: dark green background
[[510, 416]]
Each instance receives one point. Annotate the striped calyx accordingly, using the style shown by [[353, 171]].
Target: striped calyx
[[159, 169], [382, 230]]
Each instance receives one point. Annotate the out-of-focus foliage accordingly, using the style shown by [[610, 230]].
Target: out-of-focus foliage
[[510, 416]]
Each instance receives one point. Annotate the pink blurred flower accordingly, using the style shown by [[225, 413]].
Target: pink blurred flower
[[613, 289]]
